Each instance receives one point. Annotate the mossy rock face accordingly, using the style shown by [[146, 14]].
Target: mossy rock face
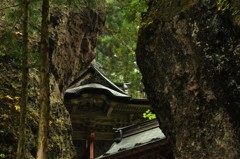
[[73, 39], [60, 142], [9, 107], [193, 85], [165, 10]]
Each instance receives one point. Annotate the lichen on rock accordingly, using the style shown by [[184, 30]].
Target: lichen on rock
[[194, 60]]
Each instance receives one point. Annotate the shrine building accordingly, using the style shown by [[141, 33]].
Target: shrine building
[[105, 118]]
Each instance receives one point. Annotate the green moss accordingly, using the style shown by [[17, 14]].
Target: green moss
[[235, 5], [228, 5], [166, 9], [2, 155]]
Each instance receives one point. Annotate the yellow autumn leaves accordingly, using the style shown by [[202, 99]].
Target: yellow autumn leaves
[[14, 100]]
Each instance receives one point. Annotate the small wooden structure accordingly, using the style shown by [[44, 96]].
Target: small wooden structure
[[144, 140], [96, 105]]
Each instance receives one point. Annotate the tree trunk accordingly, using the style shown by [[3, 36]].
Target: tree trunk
[[44, 85], [24, 91], [189, 56]]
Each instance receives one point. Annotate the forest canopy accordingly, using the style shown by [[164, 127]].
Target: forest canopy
[[117, 44]]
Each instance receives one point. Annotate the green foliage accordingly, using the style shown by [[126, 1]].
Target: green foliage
[[2, 155], [10, 43], [226, 5], [116, 49], [9, 107], [11, 37], [165, 10], [148, 114], [98, 5], [223, 5], [61, 2]]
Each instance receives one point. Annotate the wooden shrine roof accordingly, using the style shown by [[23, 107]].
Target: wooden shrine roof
[[97, 104], [136, 140]]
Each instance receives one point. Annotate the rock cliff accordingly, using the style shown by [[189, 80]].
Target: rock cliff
[[73, 38], [188, 53]]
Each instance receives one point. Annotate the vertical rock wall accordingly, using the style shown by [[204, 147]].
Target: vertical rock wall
[[190, 62], [73, 39]]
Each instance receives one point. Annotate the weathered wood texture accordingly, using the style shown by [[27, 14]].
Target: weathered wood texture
[[44, 96], [190, 62], [24, 95]]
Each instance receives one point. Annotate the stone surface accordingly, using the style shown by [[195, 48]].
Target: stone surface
[[60, 143], [190, 65], [73, 38]]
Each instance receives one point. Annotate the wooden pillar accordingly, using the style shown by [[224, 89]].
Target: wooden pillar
[[91, 145]]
